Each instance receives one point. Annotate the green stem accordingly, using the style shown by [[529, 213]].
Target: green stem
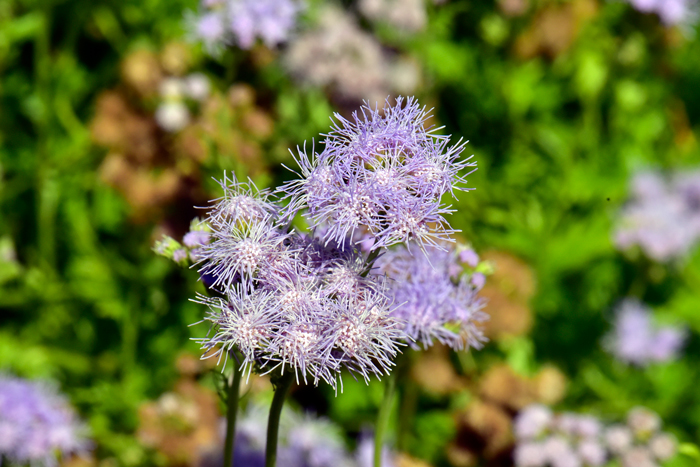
[[383, 417], [370, 262], [234, 384], [408, 403], [273, 422]]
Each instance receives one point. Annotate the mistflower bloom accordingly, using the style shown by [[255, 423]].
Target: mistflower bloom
[[273, 21], [242, 202], [433, 298], [240, 250], [662, 218], [37, 424], [381, 174], [242, 22], [293, 303], [635, 339], [533, 421], [208, 28], [557, 440]]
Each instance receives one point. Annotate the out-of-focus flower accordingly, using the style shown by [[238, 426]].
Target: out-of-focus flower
[[339, 56], [663, 217], [406, 15], [671, 12], [568, 439], [241, 22], [635, 339], [37, 424], [197, 86], [436, 302], [270, 20], [172, 116]]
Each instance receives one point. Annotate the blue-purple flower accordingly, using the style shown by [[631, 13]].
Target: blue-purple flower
[[37, 424], [636, 339], [435, 298], [381, 174], [242, 22]]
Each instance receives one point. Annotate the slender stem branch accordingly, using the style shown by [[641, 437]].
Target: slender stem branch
[[234, 383], [408, 401], [383, 417], [370, 262], [273, 421]]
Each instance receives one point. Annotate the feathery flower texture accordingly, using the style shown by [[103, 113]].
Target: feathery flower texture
[[37, 424], [635, 339], [382, 174], [314, 303], [438, 300], [544, 438]]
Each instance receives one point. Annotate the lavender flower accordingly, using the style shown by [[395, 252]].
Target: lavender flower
[[436, 301], [381, 174], [636, 340], [243, 21], [37, 424], [292, 302], [271, 20], [662, 218]]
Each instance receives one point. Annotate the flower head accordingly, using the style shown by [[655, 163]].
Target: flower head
[[383, 174], [37, 423], [433, 299], [635, 339]]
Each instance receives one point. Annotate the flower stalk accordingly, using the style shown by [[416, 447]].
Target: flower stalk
[[232, 390], [273, 422], [383, 417]]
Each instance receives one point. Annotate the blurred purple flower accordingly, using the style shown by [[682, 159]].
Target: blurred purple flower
[[37, 424], [434, 303], [662, 218], [635, 339], [270, 20]]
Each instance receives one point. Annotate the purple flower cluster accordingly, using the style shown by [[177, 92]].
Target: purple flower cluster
[[241, 22], [663, 217], [635, 339], [571, 440], [37, 424], [562, 440], [438, 300], [291, 302], [381, 174], [313, 303], [305, 441], [671, 12]]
